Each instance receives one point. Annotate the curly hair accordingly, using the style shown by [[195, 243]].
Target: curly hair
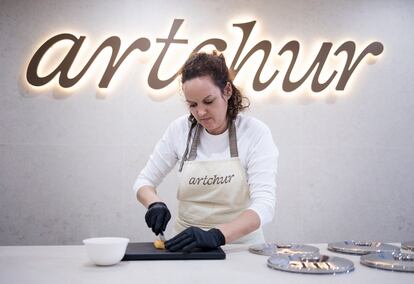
[[214, 65]]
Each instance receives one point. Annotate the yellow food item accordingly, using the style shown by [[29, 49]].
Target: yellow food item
[[158, 244]]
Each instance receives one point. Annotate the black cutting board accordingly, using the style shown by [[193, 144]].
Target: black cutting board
[[147, 251]]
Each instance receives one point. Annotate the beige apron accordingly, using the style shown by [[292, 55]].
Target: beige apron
[[213, 192]]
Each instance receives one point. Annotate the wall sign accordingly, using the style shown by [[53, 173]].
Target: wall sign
[[290, 49]]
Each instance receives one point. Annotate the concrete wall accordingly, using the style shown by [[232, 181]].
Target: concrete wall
[[68, 159]]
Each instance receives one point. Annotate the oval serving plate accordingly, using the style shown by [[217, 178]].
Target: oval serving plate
[[408, 245], [395, 261], [299, 264], [290, 249], [358, 247]]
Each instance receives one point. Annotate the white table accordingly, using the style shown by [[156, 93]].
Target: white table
[[69, 264]]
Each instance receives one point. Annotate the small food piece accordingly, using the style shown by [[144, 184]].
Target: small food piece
[[158, 244]]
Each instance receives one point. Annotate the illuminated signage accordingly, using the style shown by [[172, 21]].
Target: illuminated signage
[[291, 49]]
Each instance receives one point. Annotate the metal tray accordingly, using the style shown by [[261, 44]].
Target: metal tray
[[321, 265], [408, 245], [357, 247], [273, 248], [396, 261]]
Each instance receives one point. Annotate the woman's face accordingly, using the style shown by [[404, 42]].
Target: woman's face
[[207, 103]]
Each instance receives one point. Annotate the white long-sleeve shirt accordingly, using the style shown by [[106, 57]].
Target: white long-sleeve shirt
[[257, 152]]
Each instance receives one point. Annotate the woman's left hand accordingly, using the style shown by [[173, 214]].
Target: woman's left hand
[[194, 237]]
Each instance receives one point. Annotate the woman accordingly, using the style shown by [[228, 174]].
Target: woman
[[227, 164]]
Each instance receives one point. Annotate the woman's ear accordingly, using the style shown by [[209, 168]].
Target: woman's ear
[[228, 90]]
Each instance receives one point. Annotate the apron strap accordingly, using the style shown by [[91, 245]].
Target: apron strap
[[184, 157], [232, 142], [234, 152], [194, 145]]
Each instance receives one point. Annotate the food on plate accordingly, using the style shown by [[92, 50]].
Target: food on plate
[[159, 244]]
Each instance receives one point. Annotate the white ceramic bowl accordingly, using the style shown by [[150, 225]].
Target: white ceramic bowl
[[106, 251]]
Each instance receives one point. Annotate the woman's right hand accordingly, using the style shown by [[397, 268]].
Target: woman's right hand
[[157, 217]]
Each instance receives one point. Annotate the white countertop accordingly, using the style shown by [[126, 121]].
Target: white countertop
[[69, 264]]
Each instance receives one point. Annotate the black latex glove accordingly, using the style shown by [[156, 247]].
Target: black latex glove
[[194, 237], [157, 217]]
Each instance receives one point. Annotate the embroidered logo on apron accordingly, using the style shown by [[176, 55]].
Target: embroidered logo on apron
[[207, 180]]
